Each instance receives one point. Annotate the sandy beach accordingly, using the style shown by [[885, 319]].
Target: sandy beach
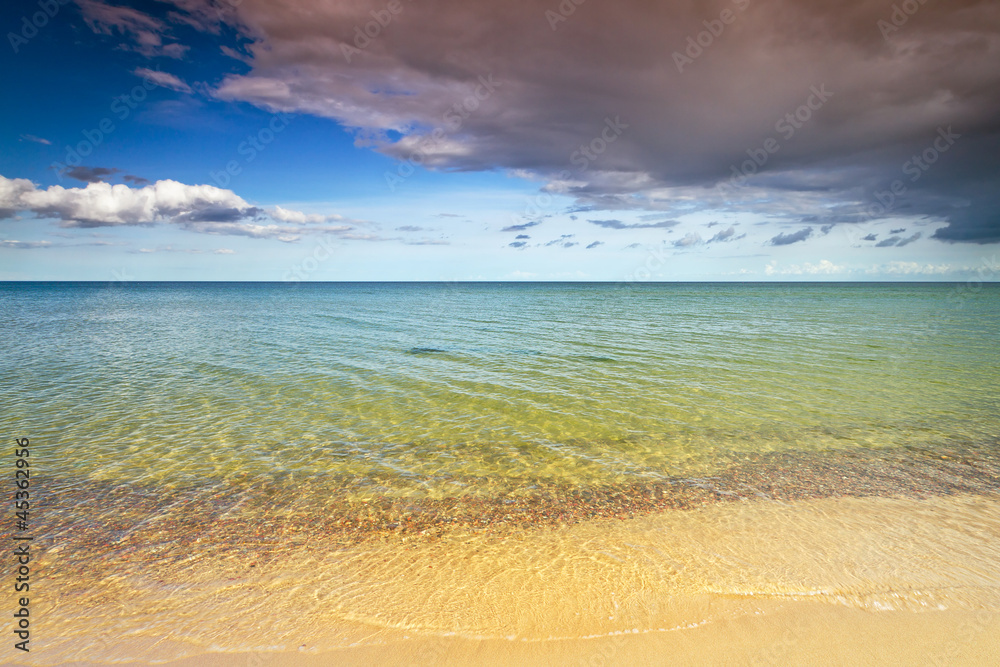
[[824, 581]]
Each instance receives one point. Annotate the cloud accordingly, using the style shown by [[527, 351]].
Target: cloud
[[795, 237], [164, 79], [235, 55], [34, 245], [428, 242], [409, 228], [618, 224], [897, 241], [169, 248], [886, 99], [561, 240], [521, 227], [824, 267], [200, 208], [285, 215], [517, 244], [691, 239], [915, 268], [724, 235], [137, 180], [870, 237], [145, 31], [37, 140], [25, 245], [101, 204], [595, 244], [11, 192], [90, 174], [897, 231], [522, 236]]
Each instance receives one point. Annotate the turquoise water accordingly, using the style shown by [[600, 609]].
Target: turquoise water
[[445, 388]]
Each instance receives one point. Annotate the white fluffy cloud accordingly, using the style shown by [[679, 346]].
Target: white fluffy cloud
[[104, 204], [199, 208]]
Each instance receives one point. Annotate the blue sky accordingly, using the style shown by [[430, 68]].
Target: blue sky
[[576, 149]]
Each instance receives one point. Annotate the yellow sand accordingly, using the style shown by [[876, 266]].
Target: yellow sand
[[832, 581]]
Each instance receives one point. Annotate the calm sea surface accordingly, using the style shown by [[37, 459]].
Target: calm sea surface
[[255, 467]]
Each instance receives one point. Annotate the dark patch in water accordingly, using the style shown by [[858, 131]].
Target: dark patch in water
[[424, 350], [590, 358]]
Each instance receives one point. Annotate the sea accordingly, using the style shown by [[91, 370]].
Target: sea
[[240, 467]]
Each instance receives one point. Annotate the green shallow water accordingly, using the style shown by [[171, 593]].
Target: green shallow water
[[420, 388]]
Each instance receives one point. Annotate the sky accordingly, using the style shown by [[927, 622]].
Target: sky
[[731, 140]]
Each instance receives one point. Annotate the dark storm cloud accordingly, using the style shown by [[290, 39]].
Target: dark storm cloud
[[795, 237], [849, 104]]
